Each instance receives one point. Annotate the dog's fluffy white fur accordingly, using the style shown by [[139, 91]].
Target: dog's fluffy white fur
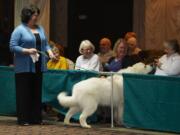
[[88, 94]]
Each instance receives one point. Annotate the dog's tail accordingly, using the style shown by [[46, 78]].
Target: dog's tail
[[66, 101]]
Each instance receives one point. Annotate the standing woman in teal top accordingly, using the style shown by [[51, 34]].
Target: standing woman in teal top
[[26, 40]]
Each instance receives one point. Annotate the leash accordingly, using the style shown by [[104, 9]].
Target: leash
[[43, 53]]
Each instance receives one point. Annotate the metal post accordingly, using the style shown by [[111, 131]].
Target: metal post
[[112, 104]]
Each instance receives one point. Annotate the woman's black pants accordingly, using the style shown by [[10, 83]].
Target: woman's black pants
[[28, 97]]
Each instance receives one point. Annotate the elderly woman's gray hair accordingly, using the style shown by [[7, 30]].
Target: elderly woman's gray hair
[[85, 44], [173, 44]]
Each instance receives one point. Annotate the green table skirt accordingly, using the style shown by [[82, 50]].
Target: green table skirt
[[152, 102], [54, 81]]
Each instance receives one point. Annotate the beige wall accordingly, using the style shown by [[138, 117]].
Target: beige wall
[[44, 18], [154, 20], [159, 21]]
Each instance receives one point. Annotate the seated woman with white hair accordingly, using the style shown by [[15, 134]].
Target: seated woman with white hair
[[88, 60], [169, 64]]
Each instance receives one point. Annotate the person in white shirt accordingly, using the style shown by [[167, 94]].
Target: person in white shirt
[[169, 64], [88, 60]]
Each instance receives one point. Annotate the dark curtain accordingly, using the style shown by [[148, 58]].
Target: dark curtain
[[59, 21]]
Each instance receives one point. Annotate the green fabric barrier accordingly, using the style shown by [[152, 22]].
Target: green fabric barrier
[[54, 82], [7, 91], [152, 102]]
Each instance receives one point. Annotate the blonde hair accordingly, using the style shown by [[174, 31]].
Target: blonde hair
[[120, 40], [84, 44]]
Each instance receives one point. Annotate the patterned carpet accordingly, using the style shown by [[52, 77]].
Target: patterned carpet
[[8, 126]]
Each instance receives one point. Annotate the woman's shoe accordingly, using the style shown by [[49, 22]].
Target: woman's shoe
[[26, 124], [23, 123], [44, 123], [40, 123]]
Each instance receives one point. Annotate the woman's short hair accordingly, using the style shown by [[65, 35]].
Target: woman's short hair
[[85, 44], [61, 49], [27, 13], [129, 35], [173, 44]]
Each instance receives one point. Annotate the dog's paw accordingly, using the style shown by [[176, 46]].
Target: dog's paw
[[118, 123], [66, 122], [86, 126]]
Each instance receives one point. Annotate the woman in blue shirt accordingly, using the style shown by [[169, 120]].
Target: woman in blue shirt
[[27, 40], [121, 59], [120, 51]]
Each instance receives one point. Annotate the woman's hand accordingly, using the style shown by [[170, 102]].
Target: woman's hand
[[52, 56], [30, 51], [158, 63]]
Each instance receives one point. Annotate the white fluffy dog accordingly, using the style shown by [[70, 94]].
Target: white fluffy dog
[[88, 94]]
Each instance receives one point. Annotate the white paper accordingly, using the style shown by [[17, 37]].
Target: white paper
[[35, 57]]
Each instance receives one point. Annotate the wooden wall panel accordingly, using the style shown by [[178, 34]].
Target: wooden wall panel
[[155, 22], [172, 19]]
